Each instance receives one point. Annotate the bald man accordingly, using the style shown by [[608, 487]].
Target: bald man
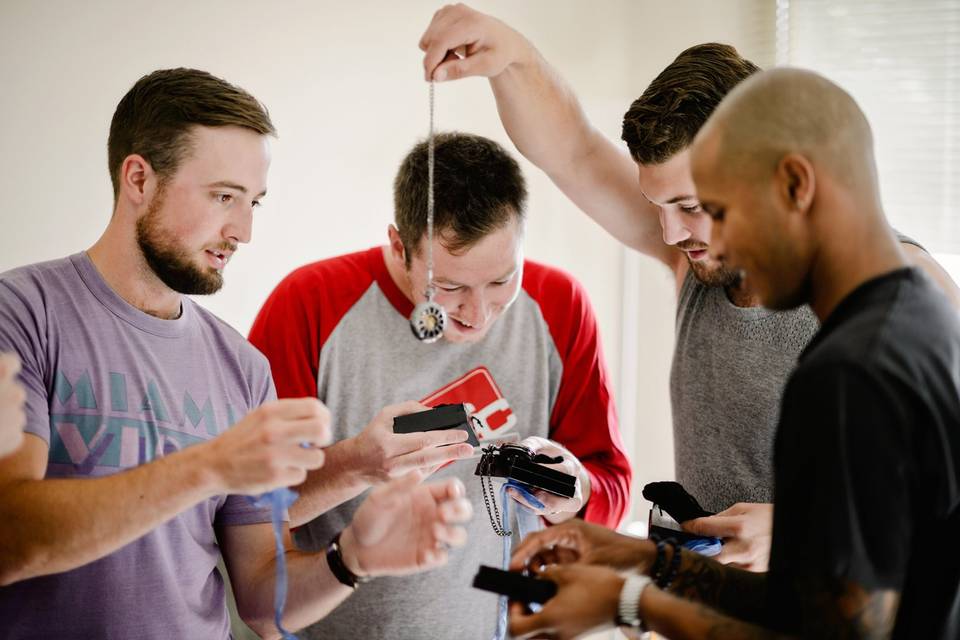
[[867, 453]]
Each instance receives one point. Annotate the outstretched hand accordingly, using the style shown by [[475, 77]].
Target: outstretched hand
[[405, 527]]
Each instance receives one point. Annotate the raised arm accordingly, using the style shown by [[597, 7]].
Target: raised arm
[[543, 117]]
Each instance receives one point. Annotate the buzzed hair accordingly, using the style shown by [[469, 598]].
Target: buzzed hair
[[666, 118], [788, 110]]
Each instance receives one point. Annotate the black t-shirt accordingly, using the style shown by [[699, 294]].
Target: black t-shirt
[[867, 458]]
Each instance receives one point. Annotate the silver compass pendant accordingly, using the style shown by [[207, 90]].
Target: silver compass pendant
[[428, 321]]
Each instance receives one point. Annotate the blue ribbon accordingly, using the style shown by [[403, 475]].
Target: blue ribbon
[[528, 521], [279, 501], [704, 546]]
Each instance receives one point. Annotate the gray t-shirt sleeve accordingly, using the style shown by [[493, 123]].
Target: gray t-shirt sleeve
[[22, 331], [904, 239], [238, 509]]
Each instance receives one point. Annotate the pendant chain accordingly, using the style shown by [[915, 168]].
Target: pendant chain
[[430, 205], [486, 485]]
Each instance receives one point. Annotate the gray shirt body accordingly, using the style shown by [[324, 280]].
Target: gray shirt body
[[372, 360], [730, 365]]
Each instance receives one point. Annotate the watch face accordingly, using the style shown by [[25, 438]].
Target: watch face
[[428, 321]]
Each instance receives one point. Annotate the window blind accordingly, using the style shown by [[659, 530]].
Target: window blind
[[901, 61]]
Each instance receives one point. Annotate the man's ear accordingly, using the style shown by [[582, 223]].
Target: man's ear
[[136, 176], [397, 250], [796, 182]]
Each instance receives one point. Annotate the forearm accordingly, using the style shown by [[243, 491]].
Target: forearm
[[679, 619], [312, 592], [546, 122], [337, 481], [735, 592], [51, 526], [540, 112], [609, 493]]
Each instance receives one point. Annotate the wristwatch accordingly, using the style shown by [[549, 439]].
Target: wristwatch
[[628, 611], [339, 568]]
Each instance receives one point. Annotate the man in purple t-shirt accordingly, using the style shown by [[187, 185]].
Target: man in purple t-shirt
[[149, 419]]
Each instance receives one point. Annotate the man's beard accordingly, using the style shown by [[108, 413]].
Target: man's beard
[[169, 262], [716, 275]]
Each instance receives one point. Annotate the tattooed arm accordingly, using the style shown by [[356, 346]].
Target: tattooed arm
[[736, 592], [850, 614], [706, 599], [827, 608]]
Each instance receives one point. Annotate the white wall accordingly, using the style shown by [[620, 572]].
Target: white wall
[[343, 85]]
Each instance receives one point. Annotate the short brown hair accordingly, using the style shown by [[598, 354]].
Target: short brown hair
[[478, 188], [667, 117], [155, 117]]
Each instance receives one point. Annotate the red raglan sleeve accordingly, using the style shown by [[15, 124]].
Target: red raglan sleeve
[[584, 417], [302, 312], [287, 331]]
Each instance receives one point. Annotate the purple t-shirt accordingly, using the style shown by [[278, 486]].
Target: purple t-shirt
[[109, 388]]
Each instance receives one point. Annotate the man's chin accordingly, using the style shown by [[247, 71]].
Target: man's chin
[[712, 273], [193, 282]]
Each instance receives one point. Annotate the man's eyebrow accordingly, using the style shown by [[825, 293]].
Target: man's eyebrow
[[672, 200], [226, 184]]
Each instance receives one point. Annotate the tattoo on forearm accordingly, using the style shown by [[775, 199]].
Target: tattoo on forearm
[[735, 592], [827, 608]]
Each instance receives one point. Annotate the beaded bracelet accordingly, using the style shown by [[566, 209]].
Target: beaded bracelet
[[659, 561], [674, 568]]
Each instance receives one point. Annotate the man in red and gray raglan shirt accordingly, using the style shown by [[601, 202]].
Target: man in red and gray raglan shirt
[[521, 349]]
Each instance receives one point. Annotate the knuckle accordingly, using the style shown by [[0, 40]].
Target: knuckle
[[267, 411], [269, 436]]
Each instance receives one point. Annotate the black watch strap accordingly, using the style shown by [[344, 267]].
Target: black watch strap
[[339, 568]]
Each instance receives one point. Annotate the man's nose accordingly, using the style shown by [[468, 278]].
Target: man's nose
[[674, 228]]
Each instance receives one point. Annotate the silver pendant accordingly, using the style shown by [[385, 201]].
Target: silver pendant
[[428, 321]]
